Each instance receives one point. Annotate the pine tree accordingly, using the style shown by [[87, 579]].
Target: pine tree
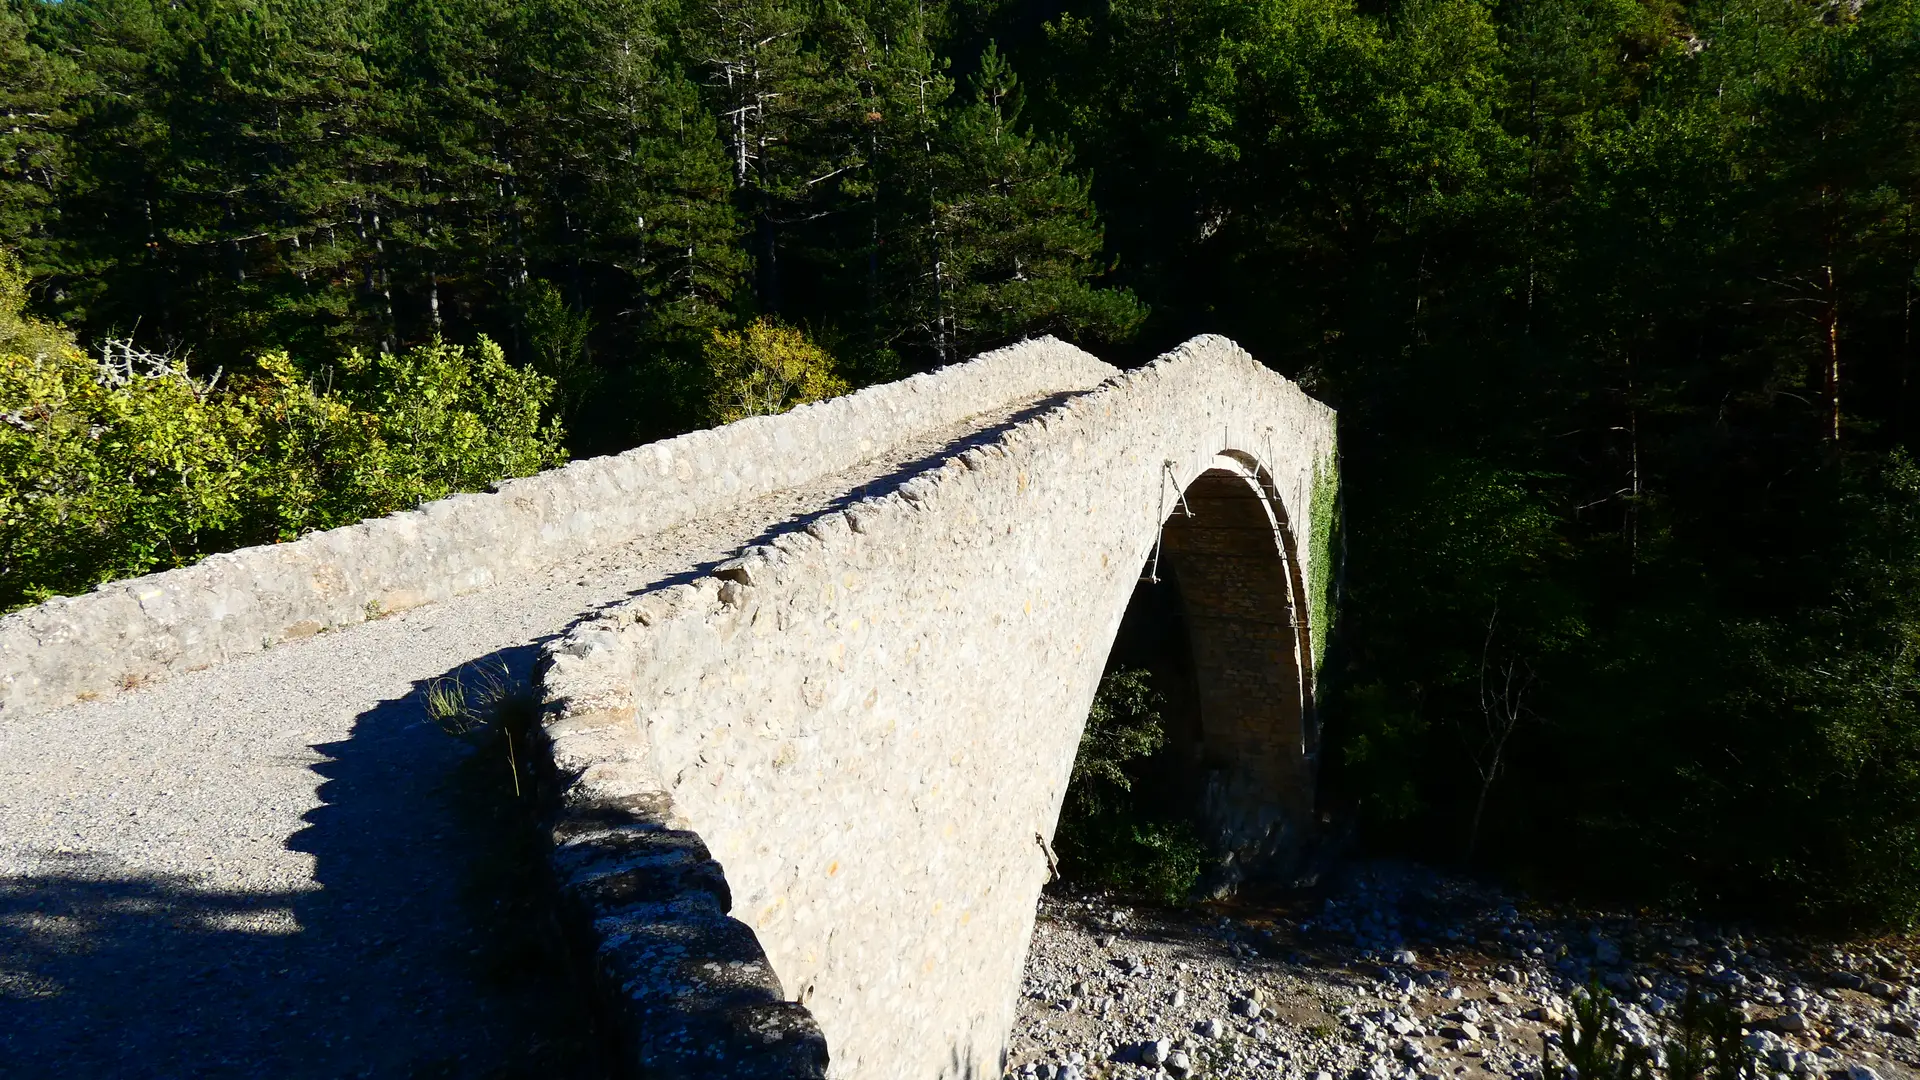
[[453, 207], [629, 174], [35, 120], [760, 79], [321, 134], [113, 267], [1009, 241], [785, 82], [635, 215]]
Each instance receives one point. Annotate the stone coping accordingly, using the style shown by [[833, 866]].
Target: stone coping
[[126, 633]]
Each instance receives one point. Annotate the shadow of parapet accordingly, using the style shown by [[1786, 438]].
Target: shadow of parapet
[[684, 990], [389, 963], [898, 478], [416, 843], [873, 489], [107, 971]]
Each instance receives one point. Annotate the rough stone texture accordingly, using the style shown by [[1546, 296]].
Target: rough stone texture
[[267, 868], [870, 722], [689, 989], [129, 632]]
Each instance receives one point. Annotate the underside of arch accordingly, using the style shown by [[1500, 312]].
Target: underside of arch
[[1228, 548]]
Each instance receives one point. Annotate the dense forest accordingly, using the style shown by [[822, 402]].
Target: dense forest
[[1616, 298]]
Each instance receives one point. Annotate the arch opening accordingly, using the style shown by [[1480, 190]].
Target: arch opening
[[1217, 626]]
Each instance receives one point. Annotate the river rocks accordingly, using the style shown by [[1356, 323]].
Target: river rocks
[[1278, 994], [1786, 1023], [1762, 1043], [1464, 1032]]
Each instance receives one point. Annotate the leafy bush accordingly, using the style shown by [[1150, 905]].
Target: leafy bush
[[766, 369], [128, 464], [1703, 1041], [394, 430], [1109, 834]]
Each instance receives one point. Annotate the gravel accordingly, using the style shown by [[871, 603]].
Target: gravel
[[260, 869], [1398, 973]]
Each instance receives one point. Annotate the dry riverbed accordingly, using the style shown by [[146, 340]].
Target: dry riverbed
[[1396, 973]]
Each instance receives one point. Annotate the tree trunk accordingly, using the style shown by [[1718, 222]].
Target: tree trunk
[[1830, 340]]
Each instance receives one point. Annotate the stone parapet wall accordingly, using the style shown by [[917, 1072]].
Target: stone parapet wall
[[869, 723], [128, 632]]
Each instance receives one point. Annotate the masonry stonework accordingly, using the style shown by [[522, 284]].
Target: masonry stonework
[[126, 633], [857, 737]]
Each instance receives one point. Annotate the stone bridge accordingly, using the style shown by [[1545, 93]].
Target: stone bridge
[[813, 686], [856, 736]]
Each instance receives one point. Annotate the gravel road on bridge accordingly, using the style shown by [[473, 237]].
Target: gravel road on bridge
[[257, 869]]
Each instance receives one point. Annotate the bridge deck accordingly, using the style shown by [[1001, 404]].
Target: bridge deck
[[256, 869]]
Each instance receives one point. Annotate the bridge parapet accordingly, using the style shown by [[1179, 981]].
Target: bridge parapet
[[126, 633], [870, 721]]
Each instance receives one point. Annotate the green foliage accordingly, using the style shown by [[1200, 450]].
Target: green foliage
[[1591, 1045], [35, 117], [1109, 833], [1616, 302], [446, 704], [389, 432], [130, 464], [1817, 709], [1160, 858], [766, 369], [597, 186], [106, 470], [19, 332], [559, 346], [1323, 526], [1122, 726], [1011, 238], [1704, 1041], [1708, 1042]]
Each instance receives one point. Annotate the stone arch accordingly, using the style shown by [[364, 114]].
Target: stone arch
[[1230, 550], [855, 739]]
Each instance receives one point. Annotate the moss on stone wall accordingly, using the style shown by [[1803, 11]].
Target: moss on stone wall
[[1323, 512]]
